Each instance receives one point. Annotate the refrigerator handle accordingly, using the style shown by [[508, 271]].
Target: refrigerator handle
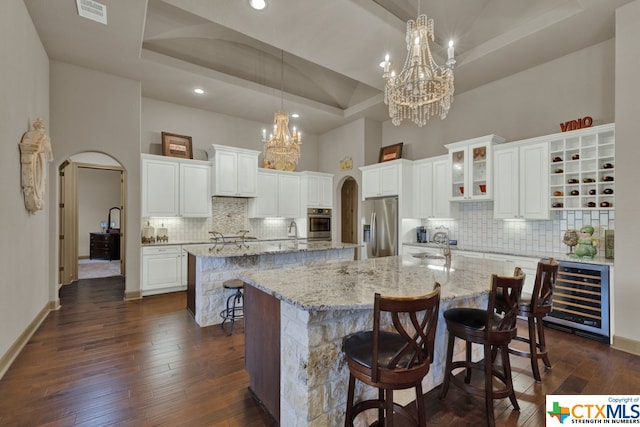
[[374, 235]]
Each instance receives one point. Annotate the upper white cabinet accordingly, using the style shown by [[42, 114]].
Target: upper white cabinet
[[175, 187], [235, 171], [385, 179], [195, 190], [521, 189], [471, 168], [160, 187], [431, 188], [278, 195], [316, 190]]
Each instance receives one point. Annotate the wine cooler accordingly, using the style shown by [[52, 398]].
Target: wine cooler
[[581, 300]]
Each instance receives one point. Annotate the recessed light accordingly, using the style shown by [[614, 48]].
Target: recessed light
[[295, 115], [199, 91], [258, 4]]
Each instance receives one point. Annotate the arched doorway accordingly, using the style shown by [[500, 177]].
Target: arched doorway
[[86, 181], [349, 211]]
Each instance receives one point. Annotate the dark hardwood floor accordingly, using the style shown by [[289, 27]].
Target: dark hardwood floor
[[100, 361]]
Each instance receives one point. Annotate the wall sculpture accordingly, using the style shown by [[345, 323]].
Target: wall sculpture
[[35, 153]]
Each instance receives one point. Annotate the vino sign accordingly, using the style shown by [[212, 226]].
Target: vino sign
[[584, 122]]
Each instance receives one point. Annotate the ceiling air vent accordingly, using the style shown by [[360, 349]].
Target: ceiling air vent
[[92, 10]]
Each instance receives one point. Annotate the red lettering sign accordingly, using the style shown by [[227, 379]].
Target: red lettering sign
[[584, 122]]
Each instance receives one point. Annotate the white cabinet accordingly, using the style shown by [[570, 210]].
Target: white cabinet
[[278, 195], [471, 168], [161, 269], [195, 190], [173, 187], [413, 250], [316, 190], [383, 179], [528, 265], [431, 188], [521, 189], [160, 187], [235, 171]]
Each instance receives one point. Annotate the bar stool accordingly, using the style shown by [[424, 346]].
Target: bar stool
[[394, 360], [534, 309], [493, 331], [234, 308]]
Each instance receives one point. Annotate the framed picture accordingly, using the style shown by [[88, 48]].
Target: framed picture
[[390, 152], [176, 145]]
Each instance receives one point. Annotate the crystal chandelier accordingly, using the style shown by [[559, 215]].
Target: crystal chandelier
[[282, 146], [282, 149], [423, 88]]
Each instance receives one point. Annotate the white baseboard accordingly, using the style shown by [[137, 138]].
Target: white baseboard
[[7, 359], [626, 344]]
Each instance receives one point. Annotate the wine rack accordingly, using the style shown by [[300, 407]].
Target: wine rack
[[582, 169]]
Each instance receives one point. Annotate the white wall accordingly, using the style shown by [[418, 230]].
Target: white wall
[[24, 96], [206, 128], [98, 191], [94, 111], [531, 103], [627, 91]]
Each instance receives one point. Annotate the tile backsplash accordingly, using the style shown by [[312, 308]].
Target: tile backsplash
[[228, 216], [475, 226]]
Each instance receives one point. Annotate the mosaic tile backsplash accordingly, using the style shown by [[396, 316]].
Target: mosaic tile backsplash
[[474, 226], [229, 215]]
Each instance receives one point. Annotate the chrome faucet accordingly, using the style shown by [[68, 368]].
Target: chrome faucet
[[441, 237], [293, 225]]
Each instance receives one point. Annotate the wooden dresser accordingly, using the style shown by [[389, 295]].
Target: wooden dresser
[[104, 246]]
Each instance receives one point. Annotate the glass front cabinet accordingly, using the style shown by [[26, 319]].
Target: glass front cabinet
[[471, 168]]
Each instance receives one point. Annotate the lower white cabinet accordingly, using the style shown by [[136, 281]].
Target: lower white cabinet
[[412, 250], [278, 195], [528, 265], [162, 269]]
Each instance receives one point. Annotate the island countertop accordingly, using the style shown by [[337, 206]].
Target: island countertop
[[351, 285], [265, 247], [296, 319]]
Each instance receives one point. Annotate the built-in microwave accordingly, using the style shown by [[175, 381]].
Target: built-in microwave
[[319, 224]]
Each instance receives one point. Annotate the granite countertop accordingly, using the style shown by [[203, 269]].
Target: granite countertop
[[351, 285], [559, 256], [266, 247]]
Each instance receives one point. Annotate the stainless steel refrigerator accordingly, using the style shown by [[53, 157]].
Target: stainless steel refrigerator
[[381, 226]]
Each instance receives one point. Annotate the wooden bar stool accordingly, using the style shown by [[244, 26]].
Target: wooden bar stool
[[234, 309], [534, 308], [394, 360], [493, 331]]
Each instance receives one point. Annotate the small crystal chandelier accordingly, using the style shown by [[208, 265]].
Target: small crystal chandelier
[[423, 88], [282, 149]]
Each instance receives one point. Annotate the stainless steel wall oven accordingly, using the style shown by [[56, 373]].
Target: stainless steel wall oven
[[319, 224]]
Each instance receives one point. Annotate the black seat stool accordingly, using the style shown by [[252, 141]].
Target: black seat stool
[[234, 308], [493, 328]]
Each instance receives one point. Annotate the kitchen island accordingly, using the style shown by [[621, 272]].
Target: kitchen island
[[295, 320], [209, 267]]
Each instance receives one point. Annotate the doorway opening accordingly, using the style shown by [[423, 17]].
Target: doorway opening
[[349, 211], [92, 225]]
